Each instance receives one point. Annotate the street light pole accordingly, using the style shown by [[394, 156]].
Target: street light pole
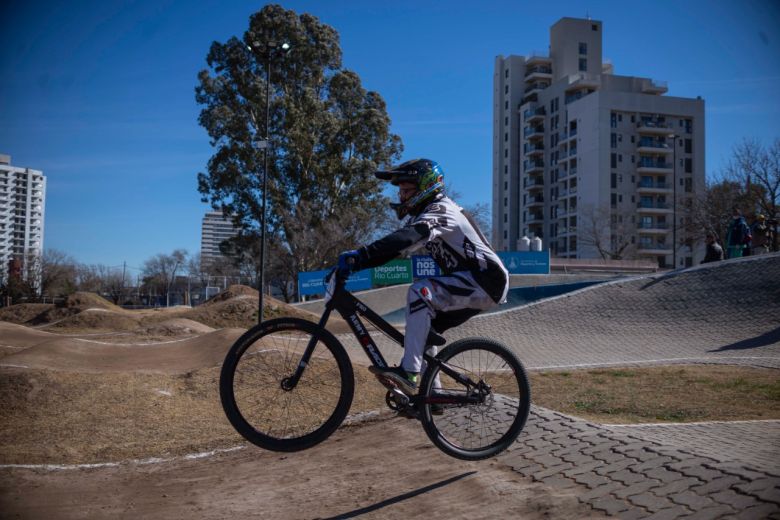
[[674, 200], [264, 144]]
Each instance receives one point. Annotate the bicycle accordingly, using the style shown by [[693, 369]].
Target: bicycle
[[288, 383]]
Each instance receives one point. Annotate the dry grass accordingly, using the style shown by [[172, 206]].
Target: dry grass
[[67, 417], [661, 394]]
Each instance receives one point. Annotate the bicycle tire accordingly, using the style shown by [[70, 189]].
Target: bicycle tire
[[257, 405], [492, 426]]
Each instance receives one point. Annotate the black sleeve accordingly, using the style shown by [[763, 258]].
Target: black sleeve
[[388, 247]]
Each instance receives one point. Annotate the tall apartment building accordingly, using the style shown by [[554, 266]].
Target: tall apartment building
[[588, 160], [214, 229], [22, 203]]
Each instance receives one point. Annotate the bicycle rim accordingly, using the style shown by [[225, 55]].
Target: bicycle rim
[[262, 410], [477, 431]]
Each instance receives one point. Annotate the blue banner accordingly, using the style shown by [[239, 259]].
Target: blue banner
[[424, 266], [526, 262], [313, 282]]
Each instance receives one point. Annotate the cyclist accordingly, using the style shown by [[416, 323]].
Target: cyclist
[[473, 279]]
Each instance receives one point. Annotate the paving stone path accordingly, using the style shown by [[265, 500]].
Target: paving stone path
[[629, 476]]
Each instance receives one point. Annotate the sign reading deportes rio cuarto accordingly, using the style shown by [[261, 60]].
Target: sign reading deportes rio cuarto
[[393, 272]]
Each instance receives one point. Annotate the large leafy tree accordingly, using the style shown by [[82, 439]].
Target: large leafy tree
[[327, 134]]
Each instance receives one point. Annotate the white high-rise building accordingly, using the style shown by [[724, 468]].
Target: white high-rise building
[[215, 229], [22, 206], [589, 161]]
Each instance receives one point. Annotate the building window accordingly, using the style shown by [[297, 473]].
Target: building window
[[506, 120], [688, 146], [613, 160], [688, 165], [613, 140], [613, 181], [632, 140], [632, 120], [506, 105], [620, 118], [594, 27], [506, 137], [613, 120], [506, 153], [506, 73], [583, 48], [620, 157], [613, 200], [506, 89], [583, 65]]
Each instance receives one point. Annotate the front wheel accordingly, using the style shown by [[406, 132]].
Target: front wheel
[[480, 419], [258, 398]]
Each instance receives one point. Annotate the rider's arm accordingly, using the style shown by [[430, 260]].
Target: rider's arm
[[386, 248]]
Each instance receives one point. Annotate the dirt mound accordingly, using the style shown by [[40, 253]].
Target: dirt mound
[[24, 312], [87, 300], [177, 327], [233, 291], [96, 320], [241, 311]]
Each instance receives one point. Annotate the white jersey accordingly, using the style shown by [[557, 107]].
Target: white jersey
[[454, 241]]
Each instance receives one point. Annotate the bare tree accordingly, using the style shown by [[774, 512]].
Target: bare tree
[[58, 273], [757, 168], [608, 230], [159, 271]]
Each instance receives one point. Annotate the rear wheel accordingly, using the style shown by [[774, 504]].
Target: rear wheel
[[255, 392], [500, 403]]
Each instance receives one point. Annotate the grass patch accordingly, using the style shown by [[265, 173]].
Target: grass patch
[[661, 394]]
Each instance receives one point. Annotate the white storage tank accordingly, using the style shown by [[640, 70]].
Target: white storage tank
[[524, 244], [536, 244]]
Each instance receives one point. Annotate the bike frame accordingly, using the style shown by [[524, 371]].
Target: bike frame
[[350, 307]]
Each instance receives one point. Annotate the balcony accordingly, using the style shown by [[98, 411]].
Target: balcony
[[653, 127], [533, 132], [653, 208], [653, 228], [535, 218], [535, 202], [534, 184], [537, 59], [532, 167], [653, 146], [533, 149], [647, 187], [652, 86], [534, 114], [654, 167], [572, 152], [538, 73], [654, 248], [536, 87]]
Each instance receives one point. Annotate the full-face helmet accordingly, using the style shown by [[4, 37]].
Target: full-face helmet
[[426, 174]]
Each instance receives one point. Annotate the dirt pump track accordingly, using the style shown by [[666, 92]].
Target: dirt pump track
[[378, 467]]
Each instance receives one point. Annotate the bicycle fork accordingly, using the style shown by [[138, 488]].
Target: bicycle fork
[[289, 383]]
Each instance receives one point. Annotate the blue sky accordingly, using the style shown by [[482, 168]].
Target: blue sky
[[100, 95]]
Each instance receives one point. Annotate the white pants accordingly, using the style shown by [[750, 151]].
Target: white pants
[[438, 298]]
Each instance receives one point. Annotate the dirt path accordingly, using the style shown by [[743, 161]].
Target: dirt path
[[383, 469]]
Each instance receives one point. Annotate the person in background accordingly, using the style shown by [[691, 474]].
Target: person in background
[[761, 234], [738, 235], [714, 251]]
